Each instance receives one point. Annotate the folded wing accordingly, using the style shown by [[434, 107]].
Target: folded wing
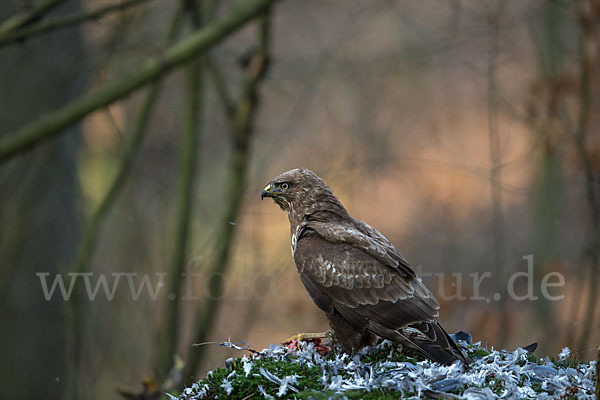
[[364, 279]]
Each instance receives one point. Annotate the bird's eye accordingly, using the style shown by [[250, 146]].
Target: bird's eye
[[285, 186]]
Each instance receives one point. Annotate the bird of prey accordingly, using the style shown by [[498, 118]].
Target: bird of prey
[[355, 275]]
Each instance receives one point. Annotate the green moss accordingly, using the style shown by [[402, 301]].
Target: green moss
[[496, 385], [476, 352], [531, 359], [351, 394], [308, 378], [308, 382], [572, 363], [394, 353], [538, 388]]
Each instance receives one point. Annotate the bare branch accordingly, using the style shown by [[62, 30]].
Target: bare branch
[[28, 31], [28, 15], [53, 124]]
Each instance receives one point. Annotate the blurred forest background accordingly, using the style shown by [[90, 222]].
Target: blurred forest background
[[467, 132]]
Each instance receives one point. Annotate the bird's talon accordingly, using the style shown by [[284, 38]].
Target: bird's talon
[[295, 338], [307, 337], [319, 339]]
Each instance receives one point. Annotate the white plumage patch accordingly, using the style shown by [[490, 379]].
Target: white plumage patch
[[295, 238]]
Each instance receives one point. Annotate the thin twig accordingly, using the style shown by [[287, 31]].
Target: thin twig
[[54, 123], [29, 31], [221, 88], [28, 15]]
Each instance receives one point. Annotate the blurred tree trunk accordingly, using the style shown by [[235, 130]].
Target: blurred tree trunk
[[38, 218], [548, 193], [188, 162], [496, 161], [586, 134]]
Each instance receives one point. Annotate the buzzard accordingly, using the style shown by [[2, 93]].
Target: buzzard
[[355, 275]]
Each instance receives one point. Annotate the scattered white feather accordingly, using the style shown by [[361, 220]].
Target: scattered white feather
[[247, 365], [227, 386], [264, 392], [564, 353]]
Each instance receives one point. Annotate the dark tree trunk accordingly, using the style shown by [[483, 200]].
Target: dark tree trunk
[[38, 217]]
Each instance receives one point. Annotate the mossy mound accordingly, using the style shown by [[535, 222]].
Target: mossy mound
[[384, 372]]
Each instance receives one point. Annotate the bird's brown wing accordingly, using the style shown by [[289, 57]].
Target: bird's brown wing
[[362, 236], [346, 278]]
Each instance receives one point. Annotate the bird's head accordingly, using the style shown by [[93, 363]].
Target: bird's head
[[300, 193], [295, 188], [289, 188]]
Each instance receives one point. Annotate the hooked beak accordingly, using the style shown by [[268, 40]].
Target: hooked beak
[[266, 192]]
